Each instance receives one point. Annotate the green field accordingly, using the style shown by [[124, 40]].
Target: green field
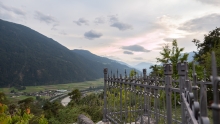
[[69, 87]]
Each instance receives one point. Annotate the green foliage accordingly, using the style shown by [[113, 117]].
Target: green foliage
[[133, 73], [75, 95], [42, 120], [5, 118], [90, 105], [2, 97], [172, 55], [211, 41], [26, 101], [17, 118], [156, 70], [199, 71], [52, 109], [21, 119]]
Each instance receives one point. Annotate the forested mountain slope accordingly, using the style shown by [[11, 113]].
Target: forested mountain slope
[[103, 62], [30, 58]]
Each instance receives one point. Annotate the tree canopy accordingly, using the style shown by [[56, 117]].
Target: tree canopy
[[75, 95], [211, 43], [172, 55]]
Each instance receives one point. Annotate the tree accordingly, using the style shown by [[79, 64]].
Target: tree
[[25, 105], [12, 109], [2, 97], [133, 73], [211, 41], [172, 55], [42, 120], [75, 95], [156, 70], [26, 102], [18, 118]]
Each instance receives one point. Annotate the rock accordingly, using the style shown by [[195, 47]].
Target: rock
[[100, 122], [82, 119], [145, 120]]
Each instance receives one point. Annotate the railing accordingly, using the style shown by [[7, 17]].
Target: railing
[[149, 100]]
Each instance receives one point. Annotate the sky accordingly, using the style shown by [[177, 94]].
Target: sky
[[131, 31]]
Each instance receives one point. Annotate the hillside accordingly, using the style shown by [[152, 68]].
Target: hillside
[[103, 62], [30, 58]]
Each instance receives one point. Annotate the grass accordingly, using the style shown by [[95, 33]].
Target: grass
[[16, 99], [69, 87]]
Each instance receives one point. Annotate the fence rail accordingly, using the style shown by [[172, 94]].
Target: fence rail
[[154, 100]]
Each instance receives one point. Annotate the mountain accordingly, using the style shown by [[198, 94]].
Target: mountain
[[190, 56], [123, 63], [30, 58], [103, 62], [143, 65]]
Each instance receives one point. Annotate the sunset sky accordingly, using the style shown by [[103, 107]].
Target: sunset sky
[[131, 31]]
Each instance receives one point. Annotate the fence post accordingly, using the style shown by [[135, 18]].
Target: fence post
[[105, 95], [168, 71], [145, 95], [182, 69], [215, 84], [120, 99]]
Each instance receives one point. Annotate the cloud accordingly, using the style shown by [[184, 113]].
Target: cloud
[[63, 33], [139, 58], [44, 18], [99, 20], [113, 18], [205, 23], [82, 21], [158, 48], [128, 52], [18, 11], [213, 2], [166, 22], [168, 39], [92, 35], [135, 48], [12, 9], [54, 26], [121, 26]]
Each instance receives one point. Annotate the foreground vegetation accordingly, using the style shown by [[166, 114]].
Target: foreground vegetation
[[38, 110], [34, 89], [90, 105], [44, 112]]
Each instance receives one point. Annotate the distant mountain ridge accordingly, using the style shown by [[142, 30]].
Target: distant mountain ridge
[[143, 65], [30, 58], [123, 63], [103, 62], [190, 56]]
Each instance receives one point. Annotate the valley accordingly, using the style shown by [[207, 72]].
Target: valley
[[48, 91]]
